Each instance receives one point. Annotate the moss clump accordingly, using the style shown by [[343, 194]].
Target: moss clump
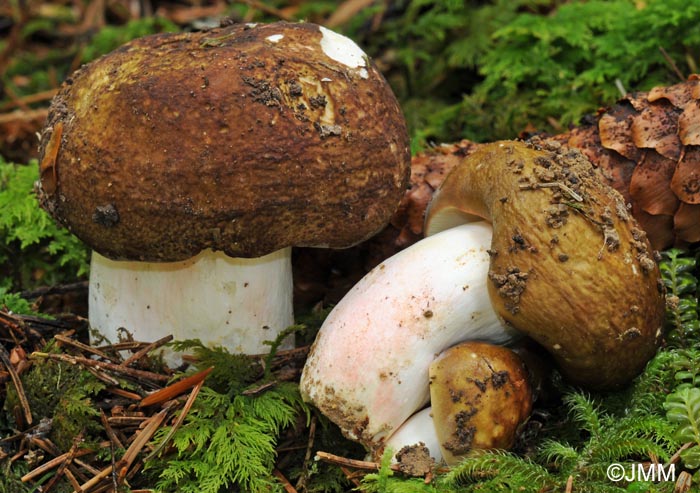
[[60, 396]]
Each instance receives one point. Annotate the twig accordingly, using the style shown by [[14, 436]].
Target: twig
[[124, 393], [258, 389], [57, 289], [84, 347], [147, 349], [285, 482], [122, 421], [354, 463], [677, 455], [352, 476], [66, 358], [29, 99], [71, 478], [301, 482], [5, 358], [129, 456], [673, 65], [64, 465], [180, 419], [123, 346], [141, 440], [102, 376], [22, 115], [555, 184], [113, 438], [54, 462], [346, 11], [85, 487], [9, 321], [172, 391], [47, 446]]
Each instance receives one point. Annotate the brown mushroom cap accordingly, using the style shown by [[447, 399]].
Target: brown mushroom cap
[[246, 139], [480, 397], [569, 266]]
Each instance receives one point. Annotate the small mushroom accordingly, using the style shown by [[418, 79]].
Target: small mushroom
[[480, 397], [569, 265], [368, 368], [191, 163]]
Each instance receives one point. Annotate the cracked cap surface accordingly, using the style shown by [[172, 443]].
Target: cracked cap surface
[[245, 138]]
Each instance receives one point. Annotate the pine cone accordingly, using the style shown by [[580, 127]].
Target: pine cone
[[647, 146]]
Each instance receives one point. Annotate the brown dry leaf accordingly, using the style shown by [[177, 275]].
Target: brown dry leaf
[[650, 184], [689, 123], [615, 127], [678, 95], [656, 127], [686, 179]]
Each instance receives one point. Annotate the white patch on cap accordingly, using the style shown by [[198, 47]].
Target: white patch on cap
[[343, 50], [275, 38]]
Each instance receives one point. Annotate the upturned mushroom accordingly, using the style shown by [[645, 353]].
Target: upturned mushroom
[[569, 265], [368, 367], [191, 163], [566, 265]]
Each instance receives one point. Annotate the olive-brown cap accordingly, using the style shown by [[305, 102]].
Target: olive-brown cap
[[480, 396], [569, 266], [246, 139]]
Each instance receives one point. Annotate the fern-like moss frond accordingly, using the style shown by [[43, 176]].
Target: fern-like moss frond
[[585, 412], [227, 441], [502, 471]]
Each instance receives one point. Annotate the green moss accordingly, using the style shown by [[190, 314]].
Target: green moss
[[488, 70], [229, 436], [33, 249], [111, 37], [10, 478], [60, 394]]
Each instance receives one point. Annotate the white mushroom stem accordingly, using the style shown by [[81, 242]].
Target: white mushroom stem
[[417, 429], [232, 302], [368, 369]]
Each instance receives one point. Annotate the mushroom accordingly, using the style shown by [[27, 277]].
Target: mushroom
[[569, 265], [368, 367], [566, 265], [191, 163], [480, 397]]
